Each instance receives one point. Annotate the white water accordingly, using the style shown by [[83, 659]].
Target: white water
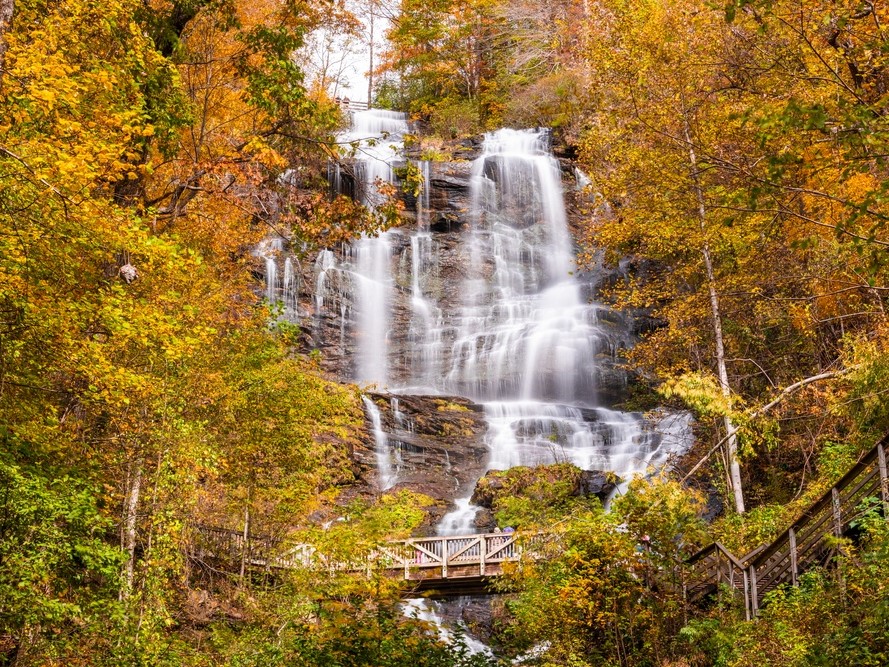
[[459, 521], [386, 471], [372, 277], [378, 141], [429, 612], [527, 338], [269, 250], [519, 333]]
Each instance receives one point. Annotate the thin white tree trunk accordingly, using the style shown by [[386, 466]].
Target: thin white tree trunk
[[131, 507], [7, 8], [731, 439], [245, 543], [370, 71]]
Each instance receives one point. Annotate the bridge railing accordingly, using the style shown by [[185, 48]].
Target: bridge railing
[[809, 541], [448, 556], [712, 566], [482, 551]]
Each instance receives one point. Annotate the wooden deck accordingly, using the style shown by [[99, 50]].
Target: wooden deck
[[808, 542]]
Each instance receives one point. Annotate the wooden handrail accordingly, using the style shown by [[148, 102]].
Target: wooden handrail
[[823, 502], [483, 551], [805, 541]]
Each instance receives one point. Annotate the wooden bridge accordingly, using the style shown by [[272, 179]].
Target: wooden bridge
[[452, 565], [810, 541]]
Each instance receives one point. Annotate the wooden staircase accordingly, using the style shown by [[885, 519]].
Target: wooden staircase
[[808, 542]]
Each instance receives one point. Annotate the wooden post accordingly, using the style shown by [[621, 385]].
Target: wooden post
[[483, 548], [747, 603], [444, 558], [754, 593], [837, 512], [884, 479], [794, 571]]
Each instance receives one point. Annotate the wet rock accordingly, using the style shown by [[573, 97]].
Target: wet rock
[[484, 520], [474, 612], [596, 483], [329, 319], [436, 444], [449, 196]]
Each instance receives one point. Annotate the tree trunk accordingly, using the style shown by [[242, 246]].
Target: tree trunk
[[245, 542], [128, 541], [731, 440], [7, 8], [370, 70]]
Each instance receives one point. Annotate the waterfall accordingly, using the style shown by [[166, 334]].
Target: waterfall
[[425, 336], [430, 611], [527, 337], [271, 280], [325, 262], [385, 470], [378, 137], [373, 276], [270, 250], [519, 331], [291, 285], [459, 521]]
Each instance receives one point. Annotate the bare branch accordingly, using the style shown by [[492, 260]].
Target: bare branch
[[799, 385]]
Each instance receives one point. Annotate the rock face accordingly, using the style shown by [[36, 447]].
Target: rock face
[[449, 195], [597, 483], [476, 613], [326, 308], [437, 442]]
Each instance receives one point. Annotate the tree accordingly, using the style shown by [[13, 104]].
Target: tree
[[714, 154], [445, 55], [127, 302], [600, 587], [7, 8]]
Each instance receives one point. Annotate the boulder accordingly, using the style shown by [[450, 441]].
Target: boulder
[[549, 483]]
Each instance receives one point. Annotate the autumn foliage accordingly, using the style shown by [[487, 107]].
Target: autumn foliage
[[738, 154]]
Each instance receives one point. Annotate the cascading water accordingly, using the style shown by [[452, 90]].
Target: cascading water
[[430, 612], [269, 250], [460, 520], [523, 337], [385, 468], [378, 138]]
